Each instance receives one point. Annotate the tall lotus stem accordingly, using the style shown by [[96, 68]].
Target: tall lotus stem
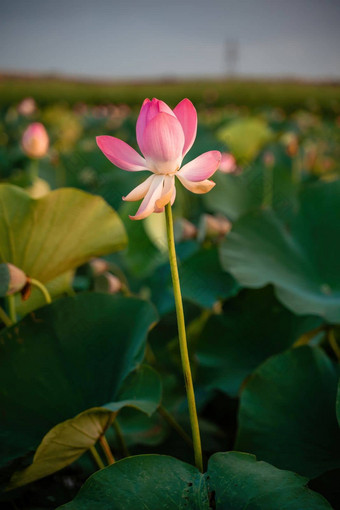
[[183, 340]]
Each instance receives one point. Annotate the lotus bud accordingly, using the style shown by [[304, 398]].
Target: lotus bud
[[99, 266], [107, 282], [269, 159], [228, 163], [212, 227], [35, 141], [114, 283], [27, 106], [184, 230], [12, 279]]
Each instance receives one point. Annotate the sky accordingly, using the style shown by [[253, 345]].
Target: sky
[[117, 39]]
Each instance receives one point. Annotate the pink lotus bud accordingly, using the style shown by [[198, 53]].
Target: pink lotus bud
[[99, 266], [184, 230], [35, 140], [27, 106], [228, 163], [107, 282], [268, 159], [212, 227], [114, 283], [17, 279]]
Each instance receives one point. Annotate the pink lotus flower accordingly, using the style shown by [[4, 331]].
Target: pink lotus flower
[[164, 137], [35, 140]]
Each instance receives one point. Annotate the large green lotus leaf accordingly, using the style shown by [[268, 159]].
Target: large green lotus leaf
[[338, 404], [66, 358], [253, 326], [68, 440], [64, 444], [240, 482], [287, 413], [300, 259], [245, 137], [257, 186], [234, 481], [49, 236], [203, 281], [235, 195]]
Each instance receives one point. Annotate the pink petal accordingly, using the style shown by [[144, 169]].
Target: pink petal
[[187, 115], [148, 111], [197, 187], [157, 210], [149, 203], [202, 167], [140, 191], [169, 181], [121, 154], [173, 194], [163, 141]]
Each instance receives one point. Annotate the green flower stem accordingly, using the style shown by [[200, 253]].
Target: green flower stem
[[183, 341], [175, 425], [107, 450], [97, 458], [34, 170], [120, 438], [42, 288], [11, 308], [4, 318]]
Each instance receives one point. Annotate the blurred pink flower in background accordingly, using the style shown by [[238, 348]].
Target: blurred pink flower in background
[[27, 106], [228, 163], [35, 141], [212, 227], [164, 137], [269, 159], [99, 266]]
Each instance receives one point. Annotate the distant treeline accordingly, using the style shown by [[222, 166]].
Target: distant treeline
[[289, 95]]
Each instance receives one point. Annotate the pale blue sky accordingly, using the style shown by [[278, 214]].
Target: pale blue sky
[[156, 38]]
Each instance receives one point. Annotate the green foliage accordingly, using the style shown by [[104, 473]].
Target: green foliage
[[76, 369], [245, 137], [299, 258], [252, 327], [289, 95], [255, 187], [4, 279], [233, 481], [287, 412], [68, 358], [338, 405], [202, 267], [49, 237], [68, 440]]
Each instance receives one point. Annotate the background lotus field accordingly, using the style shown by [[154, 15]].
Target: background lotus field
[[259, 268]]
